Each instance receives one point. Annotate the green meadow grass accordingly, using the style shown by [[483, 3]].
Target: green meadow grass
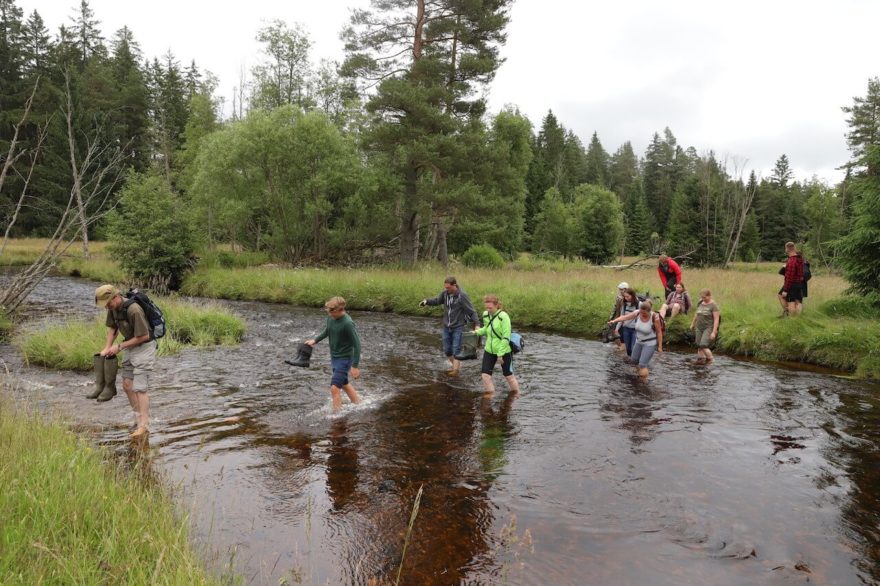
[[72, 344], [70, 516]]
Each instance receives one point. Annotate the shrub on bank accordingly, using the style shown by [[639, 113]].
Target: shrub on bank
[[482, 256], [70, 517], [71, 345]]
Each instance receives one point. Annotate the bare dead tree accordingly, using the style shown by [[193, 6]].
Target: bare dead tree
[[15, 151], [740, 216], [95, 177], [35, 154]]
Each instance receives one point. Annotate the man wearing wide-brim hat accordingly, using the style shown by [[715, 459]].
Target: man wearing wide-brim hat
[[126, 317]]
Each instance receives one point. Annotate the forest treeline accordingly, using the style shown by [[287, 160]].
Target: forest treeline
[[389, 155]]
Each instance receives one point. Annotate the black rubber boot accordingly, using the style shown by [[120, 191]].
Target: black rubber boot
[[303, 356], [99, 377], [111, 366]]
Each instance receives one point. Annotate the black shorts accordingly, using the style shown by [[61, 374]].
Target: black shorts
[[490, 359], [795, 293]]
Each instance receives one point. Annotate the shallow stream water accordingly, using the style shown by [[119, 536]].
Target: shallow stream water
[[738, 473]]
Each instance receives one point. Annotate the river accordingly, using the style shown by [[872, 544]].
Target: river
[[739, 473]]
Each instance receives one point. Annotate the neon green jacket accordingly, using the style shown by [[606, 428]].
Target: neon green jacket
[[498, 335]]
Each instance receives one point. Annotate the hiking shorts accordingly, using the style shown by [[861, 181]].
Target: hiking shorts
[[340, 367], [795, 293], [452, 340], [137, 365], [490, 359], [703, 337]]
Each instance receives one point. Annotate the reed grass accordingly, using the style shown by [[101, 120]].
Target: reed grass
[[575, 298], [409, 529], [72, 517], [72, 344]]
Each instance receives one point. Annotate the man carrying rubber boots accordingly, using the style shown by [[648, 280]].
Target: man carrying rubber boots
[[127, 317]]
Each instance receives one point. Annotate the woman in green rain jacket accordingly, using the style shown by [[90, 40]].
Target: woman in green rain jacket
[[496, 328]]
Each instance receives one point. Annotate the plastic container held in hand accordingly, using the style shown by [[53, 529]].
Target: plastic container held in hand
[[469, 343]]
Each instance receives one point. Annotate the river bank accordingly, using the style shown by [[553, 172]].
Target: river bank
[[835, 331], [73, 516]]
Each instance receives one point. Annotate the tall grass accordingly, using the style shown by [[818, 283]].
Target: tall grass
[[23, 251], [71, 345], [575, 298], [71, 517]]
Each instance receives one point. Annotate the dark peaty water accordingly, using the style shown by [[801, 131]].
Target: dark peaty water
[[734, 474]]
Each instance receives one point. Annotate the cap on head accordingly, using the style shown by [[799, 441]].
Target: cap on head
[[104, 294], [623, 285]]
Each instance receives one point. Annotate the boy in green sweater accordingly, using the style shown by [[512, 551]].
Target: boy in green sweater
[[345, 350]]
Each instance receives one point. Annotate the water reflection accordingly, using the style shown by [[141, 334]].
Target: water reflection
[[734, 474]]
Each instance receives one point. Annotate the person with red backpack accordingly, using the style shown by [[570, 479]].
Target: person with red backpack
[[791, 296], [650, 328], [670, 274]]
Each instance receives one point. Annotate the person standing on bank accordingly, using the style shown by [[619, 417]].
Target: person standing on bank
[[706, 320], [457, 312], [126, 317], [345, 351], [497, 329], [791, 296], [648, 332], [670, 274]]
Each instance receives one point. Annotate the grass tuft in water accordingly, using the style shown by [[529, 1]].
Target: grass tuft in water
[[409, 528], [72, 344]]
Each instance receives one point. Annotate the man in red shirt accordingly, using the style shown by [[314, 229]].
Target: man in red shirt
[[670, 274], [791, 295]]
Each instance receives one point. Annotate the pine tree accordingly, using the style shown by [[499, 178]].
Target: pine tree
[[638, 222], [750, 240], [660, 176], [685, 222], [597, 163], [85, 30], [131, 108], [782, 172], [37, 45], [427, 61], [858, 250], [623, 171], [864, 128]]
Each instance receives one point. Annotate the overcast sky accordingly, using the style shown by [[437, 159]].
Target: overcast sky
[[750, 79]]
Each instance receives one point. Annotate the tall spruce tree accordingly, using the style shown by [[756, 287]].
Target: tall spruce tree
[[427, 62], [685, 232], [864, 128], [597, 163], [858, 250], [86, 33], [623, 171], [638, 222]]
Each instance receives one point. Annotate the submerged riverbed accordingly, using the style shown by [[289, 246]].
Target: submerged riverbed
[[738, 473]]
